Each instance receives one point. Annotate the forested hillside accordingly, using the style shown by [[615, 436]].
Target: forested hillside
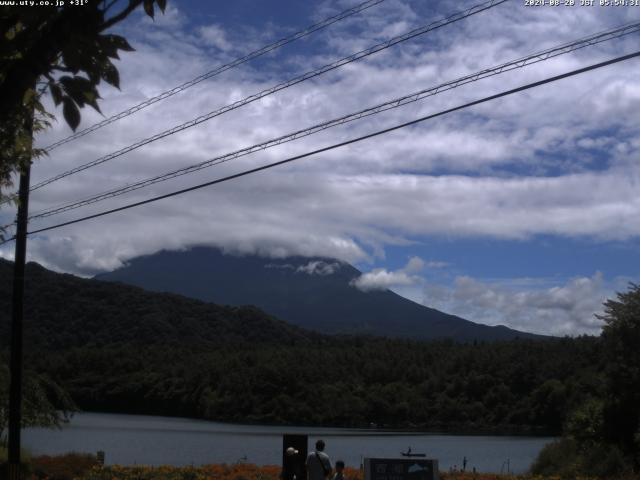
[[122, 349], [345, 382], [64, 311]]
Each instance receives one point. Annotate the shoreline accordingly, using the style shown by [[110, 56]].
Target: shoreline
[[337, 430]]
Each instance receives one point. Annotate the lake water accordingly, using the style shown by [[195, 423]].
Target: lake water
[[145, 440]]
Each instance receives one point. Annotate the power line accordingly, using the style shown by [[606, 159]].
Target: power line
[[348, 142], [7, 240], [301, 78], [218, 70], [388, 105]]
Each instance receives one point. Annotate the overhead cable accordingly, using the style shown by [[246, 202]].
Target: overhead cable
[[382, 107], [289, 83], [218, 70], [342, 144]]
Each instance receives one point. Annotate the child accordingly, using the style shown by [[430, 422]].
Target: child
[[339, 468]]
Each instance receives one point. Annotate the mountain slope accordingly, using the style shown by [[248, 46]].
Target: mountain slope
[[63, 311], [313, 293]]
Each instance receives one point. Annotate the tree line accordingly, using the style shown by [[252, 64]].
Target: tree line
[[526, 386]]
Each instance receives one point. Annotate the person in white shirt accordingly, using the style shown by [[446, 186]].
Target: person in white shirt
[[318, 463]]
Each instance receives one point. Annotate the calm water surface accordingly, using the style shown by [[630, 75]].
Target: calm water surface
[[137, 439]]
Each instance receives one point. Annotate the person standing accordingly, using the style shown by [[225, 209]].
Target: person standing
[[339, 475], [318, 463]]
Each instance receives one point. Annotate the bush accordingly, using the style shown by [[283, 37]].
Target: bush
[[557, 458], [605, 461], [567, 459]]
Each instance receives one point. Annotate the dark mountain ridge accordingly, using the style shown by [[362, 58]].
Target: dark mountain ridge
[[63, 311], [314, 293]]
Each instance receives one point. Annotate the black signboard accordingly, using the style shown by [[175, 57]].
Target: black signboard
[[400, 469]]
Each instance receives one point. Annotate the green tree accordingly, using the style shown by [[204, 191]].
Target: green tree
[[602, 434], [549, 403], [585, 424], [621, 337], [45, 403], [63, 51]]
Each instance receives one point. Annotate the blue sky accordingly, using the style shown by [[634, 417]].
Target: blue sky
[[523, 211]]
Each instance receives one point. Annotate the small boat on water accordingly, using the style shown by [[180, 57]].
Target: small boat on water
[[409, 454]]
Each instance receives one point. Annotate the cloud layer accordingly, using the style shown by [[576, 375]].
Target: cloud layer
[[559, 160], [383, 279], [567, 309]]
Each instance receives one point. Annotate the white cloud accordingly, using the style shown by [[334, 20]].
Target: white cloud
[[382, 279], [214, 35], [318, 267], [280, 266], [565, 309], [414, 265]]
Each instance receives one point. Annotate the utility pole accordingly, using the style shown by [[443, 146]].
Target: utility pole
[[17, 315]]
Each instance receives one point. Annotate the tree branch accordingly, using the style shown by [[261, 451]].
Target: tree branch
[[133, 4]]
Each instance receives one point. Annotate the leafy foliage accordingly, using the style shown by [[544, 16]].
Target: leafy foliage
[[602, 434], [567, 458], [585, 424], [621, 335], [45, 404], [61, 50]]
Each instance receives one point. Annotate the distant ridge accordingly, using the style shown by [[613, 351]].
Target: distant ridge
[[63, 312], [311, 292]]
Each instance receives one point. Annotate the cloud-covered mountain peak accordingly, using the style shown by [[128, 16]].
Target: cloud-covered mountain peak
[[313, 292]]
